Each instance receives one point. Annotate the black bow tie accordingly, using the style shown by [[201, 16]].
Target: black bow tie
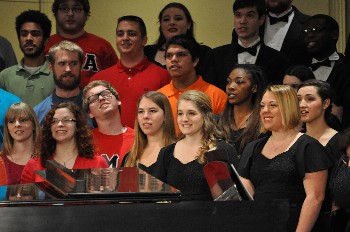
[[316, 65], [284, 18], [251, 50]]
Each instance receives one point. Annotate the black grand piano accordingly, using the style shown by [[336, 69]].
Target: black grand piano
[[125, 199]]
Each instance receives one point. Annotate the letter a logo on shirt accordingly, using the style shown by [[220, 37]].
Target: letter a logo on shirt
[[90, 62]]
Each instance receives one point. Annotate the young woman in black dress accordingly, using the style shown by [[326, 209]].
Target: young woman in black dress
[[288, 164], [240, 118], [181, 164]]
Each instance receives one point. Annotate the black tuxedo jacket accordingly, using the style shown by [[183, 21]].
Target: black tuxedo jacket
[[339, 80], [222, 59], [293, 45]]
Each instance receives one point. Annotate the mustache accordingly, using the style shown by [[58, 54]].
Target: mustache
[[29, 43]]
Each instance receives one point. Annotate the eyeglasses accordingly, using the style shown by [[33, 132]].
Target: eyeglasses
[[104, 94], [64, 121], [66, 10], [314, 30], [179, 55]]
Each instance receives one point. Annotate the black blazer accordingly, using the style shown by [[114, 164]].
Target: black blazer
[[339, 80], [222, 59], [293, 45]]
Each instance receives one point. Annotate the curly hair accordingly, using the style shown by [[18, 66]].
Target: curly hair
[[34, 16], [83, 135], [210, 130]]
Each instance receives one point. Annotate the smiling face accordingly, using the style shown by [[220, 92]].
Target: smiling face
[[311, 105], [150, 117], [174, 22], [239, 88], [31, 39], [71, 22], [129, 38], [63, 131], [189, 118], [247, 23], [21, 129], [320, 41], [104, 105], [270, 113]]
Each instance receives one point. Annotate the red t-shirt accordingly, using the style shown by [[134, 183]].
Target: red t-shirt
[[132, 83], [99, 53], [29, 176], [113, 147], [13, 171]]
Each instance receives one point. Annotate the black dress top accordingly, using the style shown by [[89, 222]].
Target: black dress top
[[341, 184], [332, 147], [189, 178], [282, 176]]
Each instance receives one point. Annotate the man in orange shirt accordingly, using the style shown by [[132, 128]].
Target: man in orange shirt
[[181, 58]]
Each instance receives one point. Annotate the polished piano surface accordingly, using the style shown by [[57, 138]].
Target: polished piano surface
[[126, 199]]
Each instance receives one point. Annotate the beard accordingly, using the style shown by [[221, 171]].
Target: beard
[[279, 8], [70, 84], [37, 52]]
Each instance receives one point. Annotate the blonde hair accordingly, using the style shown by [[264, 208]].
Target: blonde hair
[[140, 141], [210, 130], [288, 104], [14, 112], [66, 46]]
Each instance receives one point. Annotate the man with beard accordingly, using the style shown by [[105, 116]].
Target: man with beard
[[71, 16], [65, 61], [133, 71], [31, 79], [321, 33]]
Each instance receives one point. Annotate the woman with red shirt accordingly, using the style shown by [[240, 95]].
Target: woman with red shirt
[[67, 140]]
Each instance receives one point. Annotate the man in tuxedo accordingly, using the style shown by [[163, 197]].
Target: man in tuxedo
[[283, 30], [249, 16], [321, 33]]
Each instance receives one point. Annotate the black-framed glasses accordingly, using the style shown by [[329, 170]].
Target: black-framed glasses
[[314, 30], [66, 9], [64, 121], [104, 93]]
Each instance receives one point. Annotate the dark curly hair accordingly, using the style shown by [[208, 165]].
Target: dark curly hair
[[83, 135], [34, 16]]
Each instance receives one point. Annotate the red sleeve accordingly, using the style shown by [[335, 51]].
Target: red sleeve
[[3, 179], [102, 163], [28, 175]]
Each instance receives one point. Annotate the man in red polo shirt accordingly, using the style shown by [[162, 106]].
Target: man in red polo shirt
[[133, 75]]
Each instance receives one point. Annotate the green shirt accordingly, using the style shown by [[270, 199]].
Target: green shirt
[[31, 88]]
